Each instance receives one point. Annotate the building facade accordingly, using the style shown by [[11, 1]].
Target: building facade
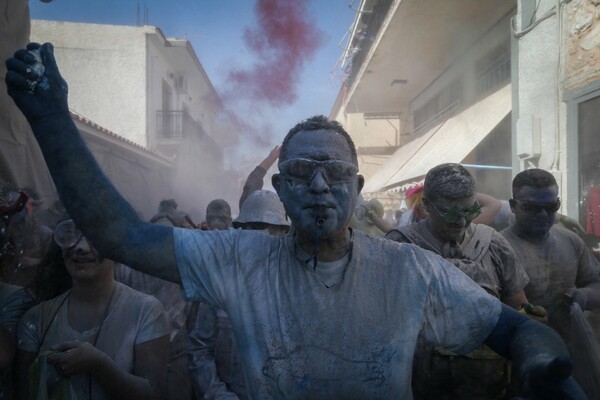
[[153, 91], [429, 82]]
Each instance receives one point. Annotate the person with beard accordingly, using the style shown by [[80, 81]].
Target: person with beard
[[560, 266], [484, 256], [100, 339]]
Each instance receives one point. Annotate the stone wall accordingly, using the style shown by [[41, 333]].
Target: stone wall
[[582, 41]]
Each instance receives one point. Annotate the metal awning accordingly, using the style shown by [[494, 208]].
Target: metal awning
[[450, 141]]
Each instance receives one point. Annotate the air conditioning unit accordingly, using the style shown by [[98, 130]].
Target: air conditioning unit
[[181, 83]]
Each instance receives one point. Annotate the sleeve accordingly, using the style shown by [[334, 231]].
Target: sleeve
[[14, 307], [253, 182], [154, 323], [202, 365], [28, 335], [207, 262], [588, 269], [459, 315], [513, 275]]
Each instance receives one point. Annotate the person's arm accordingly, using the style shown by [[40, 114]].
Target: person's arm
[[538, 353], [588, 297], [23, 361], [380, 223], [202, 366], [254, 181], [91, 200], [146, 381], [490, 206], [8, 346]]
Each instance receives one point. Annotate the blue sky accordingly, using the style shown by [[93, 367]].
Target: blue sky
[[215, 28]]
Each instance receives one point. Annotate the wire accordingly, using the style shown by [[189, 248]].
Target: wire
[[523, 32]]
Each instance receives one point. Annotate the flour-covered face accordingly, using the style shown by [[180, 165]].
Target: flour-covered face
[[535, 209], [318, 182]]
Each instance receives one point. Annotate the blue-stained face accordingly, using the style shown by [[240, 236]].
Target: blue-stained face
[[318, 181], [535, 210]]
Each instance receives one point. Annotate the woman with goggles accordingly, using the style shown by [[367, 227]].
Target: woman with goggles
[[100, 339]]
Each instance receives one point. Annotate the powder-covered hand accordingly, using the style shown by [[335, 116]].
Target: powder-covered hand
[[550, 379], [37, 89], [75, 357]]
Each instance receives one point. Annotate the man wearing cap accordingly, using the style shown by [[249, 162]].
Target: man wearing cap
[[331, 313], [215, 364]]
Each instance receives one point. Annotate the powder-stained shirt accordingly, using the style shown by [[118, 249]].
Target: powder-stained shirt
[[134, 318], [560, 262], [485, 256], [345, 329]]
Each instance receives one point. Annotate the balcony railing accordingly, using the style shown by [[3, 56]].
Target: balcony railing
[[439, 117], [174, 124], [373, 21], [494, 76]]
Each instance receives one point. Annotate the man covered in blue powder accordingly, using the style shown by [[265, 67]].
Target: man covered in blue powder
[[324, 313]]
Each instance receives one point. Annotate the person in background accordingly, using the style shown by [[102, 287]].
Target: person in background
[[178, 384], [450, 199], [416, 210], [218, 215], [110, 340], [332, 313], [14, 300], [255, 179], [368, 217], [215, 364], [560, 266]]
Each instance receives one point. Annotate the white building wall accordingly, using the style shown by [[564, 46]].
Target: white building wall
[[105, 66], [539, 114]]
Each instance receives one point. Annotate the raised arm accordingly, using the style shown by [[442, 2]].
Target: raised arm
[[98, 209], [539, 354], [254, 181]]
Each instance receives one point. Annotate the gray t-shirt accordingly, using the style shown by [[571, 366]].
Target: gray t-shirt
[[350, 333], [133, 318], [560, 262]]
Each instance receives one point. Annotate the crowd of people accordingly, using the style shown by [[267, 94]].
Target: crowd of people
[[310, 293]]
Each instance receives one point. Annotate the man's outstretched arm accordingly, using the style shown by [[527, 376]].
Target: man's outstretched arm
[[539, 354], [97, 208]]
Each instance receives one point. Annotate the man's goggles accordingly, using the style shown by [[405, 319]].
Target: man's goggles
[[454, 214], [304, 169], [66, 234], [535, 208]]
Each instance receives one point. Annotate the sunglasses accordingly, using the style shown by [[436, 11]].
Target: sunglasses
[[304, 169], [66, 234], [454, 214], [535, 208]]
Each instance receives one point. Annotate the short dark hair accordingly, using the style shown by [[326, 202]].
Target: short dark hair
[[534, 177], [217, 206], [167, 206], [316, 123], [449, 180]]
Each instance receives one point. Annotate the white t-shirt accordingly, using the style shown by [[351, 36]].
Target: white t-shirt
[[133, 318], [299, 339]]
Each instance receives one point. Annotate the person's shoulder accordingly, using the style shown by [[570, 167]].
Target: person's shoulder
[[47, 306], [563, 234], [135, 298]]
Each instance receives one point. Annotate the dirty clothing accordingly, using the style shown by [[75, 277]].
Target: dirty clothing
[[133, 318], [346, 329], [214, 364], [484, 256], [14, 302], [555, 264], [253, 182], [178, 384]]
